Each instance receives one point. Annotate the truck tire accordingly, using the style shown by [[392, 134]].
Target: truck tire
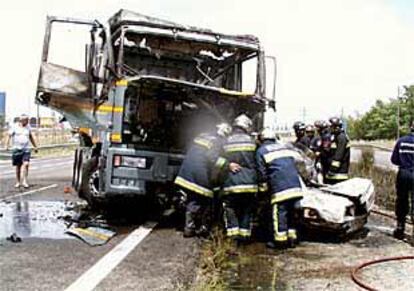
[[89, 188]]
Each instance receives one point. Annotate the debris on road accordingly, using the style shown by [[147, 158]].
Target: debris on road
[[93, 236], [14, 238]]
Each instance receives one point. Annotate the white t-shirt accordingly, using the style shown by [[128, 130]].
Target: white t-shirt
[[20, 136]]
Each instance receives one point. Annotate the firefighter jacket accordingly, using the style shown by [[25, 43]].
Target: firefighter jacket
[[201, 160], [340, 157], [403, 153], [302, 142], [315, 144], [277, 173], [240, 148]]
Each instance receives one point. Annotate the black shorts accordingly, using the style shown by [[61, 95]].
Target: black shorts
[[20, 156]]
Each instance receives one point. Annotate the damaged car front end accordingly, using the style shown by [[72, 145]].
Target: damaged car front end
[[341, 209]]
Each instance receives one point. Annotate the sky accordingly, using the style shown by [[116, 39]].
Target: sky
[[334, 56]]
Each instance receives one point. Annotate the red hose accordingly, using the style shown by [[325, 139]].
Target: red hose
[[379, 212], [360, 283]]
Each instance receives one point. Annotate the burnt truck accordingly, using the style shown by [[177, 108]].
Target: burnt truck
[[148, 86]]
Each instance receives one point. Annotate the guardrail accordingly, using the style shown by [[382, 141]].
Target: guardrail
[[3, 151], [367, 145]]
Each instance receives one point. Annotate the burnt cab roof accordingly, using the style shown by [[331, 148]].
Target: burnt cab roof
[[129, 18]]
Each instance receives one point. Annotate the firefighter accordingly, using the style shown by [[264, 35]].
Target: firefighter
[[322, 147], [302, 141], [240, 186], [403, 157], [195, 179], [340, 153], [278, 176]]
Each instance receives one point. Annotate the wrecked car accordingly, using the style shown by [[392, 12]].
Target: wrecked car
[[342, 208], [148, 87]]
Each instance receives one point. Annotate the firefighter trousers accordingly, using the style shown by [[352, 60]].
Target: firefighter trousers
[[238, 212], [198, 211], [405, 195], [284, 224]]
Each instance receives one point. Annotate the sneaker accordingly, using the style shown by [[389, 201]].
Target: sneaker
[[17, 185], [25, 185]]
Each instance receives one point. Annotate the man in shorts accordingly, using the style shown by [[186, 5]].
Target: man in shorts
[[21, 136]]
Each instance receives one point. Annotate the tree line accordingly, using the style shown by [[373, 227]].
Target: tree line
[[382, 120]]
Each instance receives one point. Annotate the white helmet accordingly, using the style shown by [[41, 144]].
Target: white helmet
[[223, 129], [267, 134], [243, 122]]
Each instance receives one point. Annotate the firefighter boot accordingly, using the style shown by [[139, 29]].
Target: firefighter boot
[[282, 245], [190, 227], [399, 231]]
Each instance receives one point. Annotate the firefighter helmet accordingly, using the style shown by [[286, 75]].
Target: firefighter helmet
[[299, 125], [223, 129], [244, 122], [336, 122], [267, 134], [321, 124], [310, 128]]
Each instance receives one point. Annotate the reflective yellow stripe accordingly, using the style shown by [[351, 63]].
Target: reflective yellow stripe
[[193, 187], [292, 234], [240, 147], [334, 176], [336, 164], [333, 146], [203, 142], [263, 187], [286, 195], [92, 233], [235, 93], [278, 236], [116, 137], [245, 232], [234, 231], [220, 162], [269, 157], [241, 189], [108, 108], [121, 83]]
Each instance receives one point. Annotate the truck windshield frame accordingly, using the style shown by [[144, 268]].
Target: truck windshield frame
[[221, 56]]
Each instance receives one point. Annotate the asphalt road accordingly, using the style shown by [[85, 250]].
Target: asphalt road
[[381, 158], [154, 256], [48, 259]]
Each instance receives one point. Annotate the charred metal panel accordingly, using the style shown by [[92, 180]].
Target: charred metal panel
[[62, 80]]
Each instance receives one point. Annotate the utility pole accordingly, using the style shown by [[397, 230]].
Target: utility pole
[[398, 112], [304, 115]]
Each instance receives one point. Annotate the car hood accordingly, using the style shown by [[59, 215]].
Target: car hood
[[331, 202]]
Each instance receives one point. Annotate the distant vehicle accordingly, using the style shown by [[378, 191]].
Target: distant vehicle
[[341, 209], [148, 87]]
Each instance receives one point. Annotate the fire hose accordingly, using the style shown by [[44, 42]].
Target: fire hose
[[355, 271], [365, 286]]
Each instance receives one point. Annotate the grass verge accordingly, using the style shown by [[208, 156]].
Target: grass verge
[[384, 180], [214, 259]]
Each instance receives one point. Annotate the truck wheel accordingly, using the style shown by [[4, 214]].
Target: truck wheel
[[89, 189]]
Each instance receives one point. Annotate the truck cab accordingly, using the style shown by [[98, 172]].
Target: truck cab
[[148, 88]]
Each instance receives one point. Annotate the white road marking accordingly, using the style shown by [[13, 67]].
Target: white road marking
[[92, 277], [29, 192]]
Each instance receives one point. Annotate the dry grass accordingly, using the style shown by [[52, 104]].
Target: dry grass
[[214, 259], [384, 180]]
